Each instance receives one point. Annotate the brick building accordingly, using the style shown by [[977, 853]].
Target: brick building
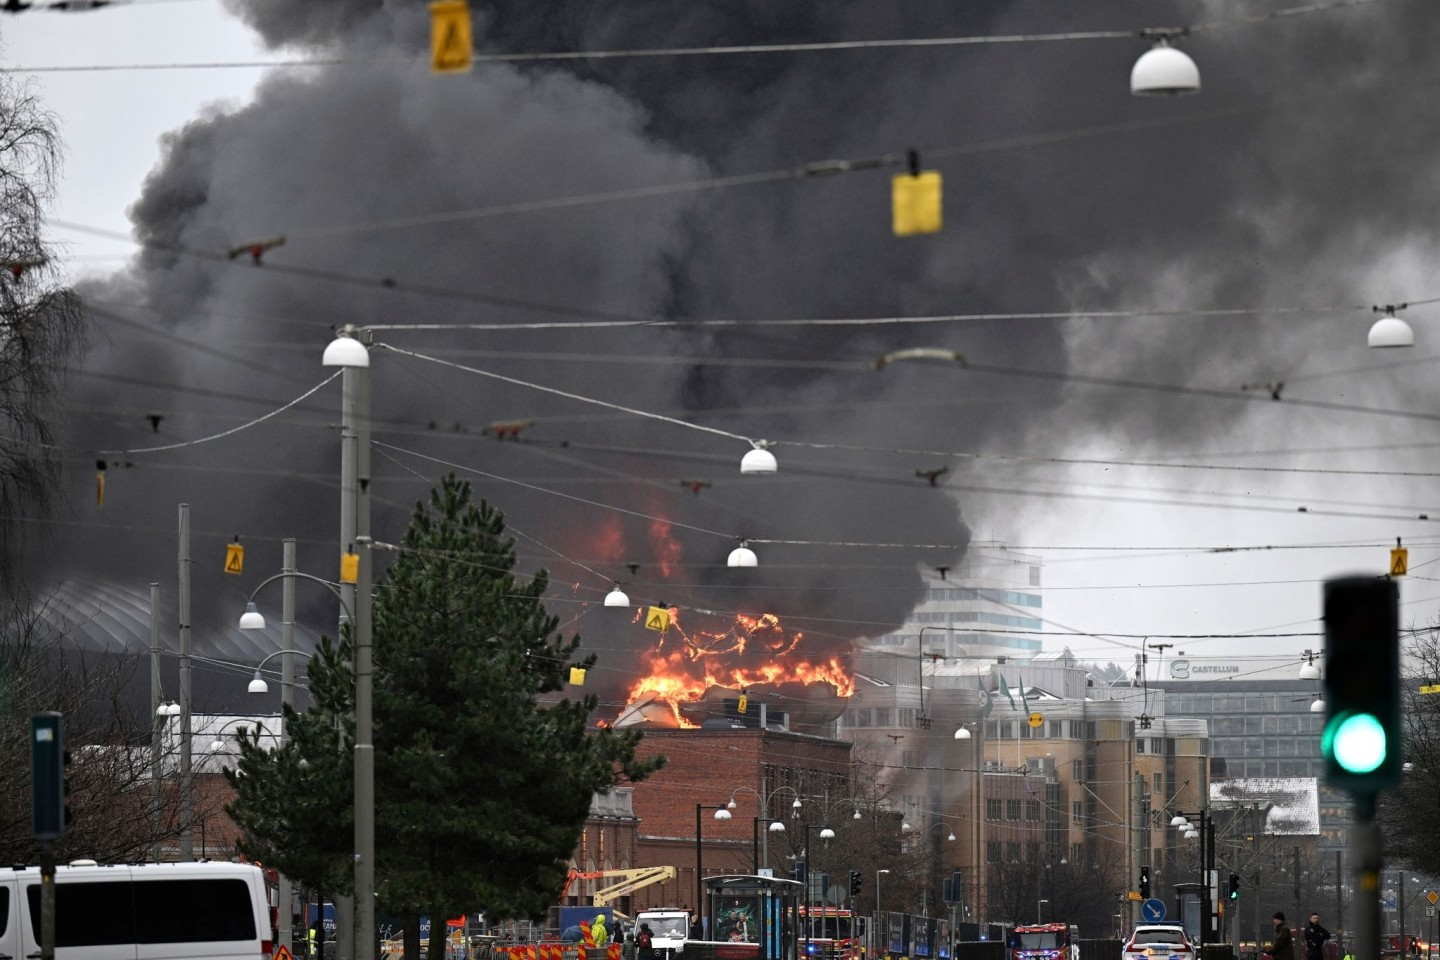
[[653, 823]]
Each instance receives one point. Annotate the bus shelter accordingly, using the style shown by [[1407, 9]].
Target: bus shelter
[[751, 918]]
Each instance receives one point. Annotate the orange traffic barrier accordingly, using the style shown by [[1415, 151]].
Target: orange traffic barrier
[[612, 952]]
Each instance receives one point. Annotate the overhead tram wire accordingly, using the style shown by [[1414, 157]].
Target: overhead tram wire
[[832, 46]]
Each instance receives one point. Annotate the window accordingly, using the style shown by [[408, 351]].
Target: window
[[1034, 575], [1077, 811], [992, 851], [174, 911], [859, 718], [1077, 770], [1057, 729], [1159, 783], [882, 716], [1032, 852], [1012, 809], [1012, 851], [992, 808], [1032, 810], [1140, 745]]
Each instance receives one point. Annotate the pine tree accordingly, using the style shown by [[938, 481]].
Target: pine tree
[[484, 770]]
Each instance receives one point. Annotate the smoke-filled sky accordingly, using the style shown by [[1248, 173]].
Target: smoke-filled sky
[[1222, 244]]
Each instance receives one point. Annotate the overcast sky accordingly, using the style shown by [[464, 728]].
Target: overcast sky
[[1302, 176]]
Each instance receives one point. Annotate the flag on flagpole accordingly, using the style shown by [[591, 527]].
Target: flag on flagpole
[[1005, 690], [985, 703], [1020, 682]]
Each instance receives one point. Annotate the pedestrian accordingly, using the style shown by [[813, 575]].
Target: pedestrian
[[644, 943], [1283, 946], [1315, 937], [697, 929], [597, 930]]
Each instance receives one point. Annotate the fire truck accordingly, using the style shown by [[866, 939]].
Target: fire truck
[[1044, 941], [830, 933]]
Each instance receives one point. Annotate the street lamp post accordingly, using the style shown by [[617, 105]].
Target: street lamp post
[[1206, 836], [875, 923], [350, 352], [760, 852], [721, 813], [825, 834]]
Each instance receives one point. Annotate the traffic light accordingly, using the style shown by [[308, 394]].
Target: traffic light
[[854, 883], [1145, 883], [1234, 886], [800, 874], [1361, 738], [47, 776]]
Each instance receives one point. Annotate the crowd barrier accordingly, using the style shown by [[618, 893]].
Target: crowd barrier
[[555, 950]]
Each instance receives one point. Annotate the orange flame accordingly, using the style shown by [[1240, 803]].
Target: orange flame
[[753, 651]]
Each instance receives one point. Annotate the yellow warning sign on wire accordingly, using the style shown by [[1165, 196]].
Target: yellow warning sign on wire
[[657, 618], [915, 203], [451, 47], [1399, 561], [234, 558], [349, 567], [1036, 720]]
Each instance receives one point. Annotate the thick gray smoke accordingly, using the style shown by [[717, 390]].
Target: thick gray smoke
[[1284, 185]]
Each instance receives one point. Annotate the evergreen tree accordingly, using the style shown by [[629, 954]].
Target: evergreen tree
[[484, 772]]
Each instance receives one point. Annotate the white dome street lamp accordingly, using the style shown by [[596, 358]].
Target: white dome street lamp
[[617, 598], [1308, 670], [1390, 330], [758, 461], [743, 556], [1163, 70]]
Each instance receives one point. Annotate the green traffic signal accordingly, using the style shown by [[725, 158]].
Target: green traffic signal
[[1361, 739], [1356, 741]]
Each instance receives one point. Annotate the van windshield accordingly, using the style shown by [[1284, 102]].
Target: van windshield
[[668, 928]]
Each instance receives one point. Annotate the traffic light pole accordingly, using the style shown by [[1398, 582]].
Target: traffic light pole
[[1367, 863]]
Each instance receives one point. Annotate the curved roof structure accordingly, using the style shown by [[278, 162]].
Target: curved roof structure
[[90, 617]]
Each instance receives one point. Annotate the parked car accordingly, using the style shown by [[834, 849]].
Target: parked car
[[1159, 941]]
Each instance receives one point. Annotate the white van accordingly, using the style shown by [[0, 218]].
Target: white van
[[150, 911]]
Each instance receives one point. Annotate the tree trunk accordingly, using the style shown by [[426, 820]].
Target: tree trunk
[[412, 936], [437, 934]]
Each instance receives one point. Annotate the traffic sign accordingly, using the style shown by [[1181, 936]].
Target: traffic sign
[[1133, 895], [451, 47], [234, 558], [1433, 897], [1036, 720], [282, 952], [657, 618], [1399, 562], [1153, 910]]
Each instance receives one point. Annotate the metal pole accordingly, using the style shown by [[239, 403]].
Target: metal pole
[[284, 927], [1366, 862], [699, 897], [1404, 948], [366, 942], [346, 917], [187, 786], [156, 721], [1339, 900]]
